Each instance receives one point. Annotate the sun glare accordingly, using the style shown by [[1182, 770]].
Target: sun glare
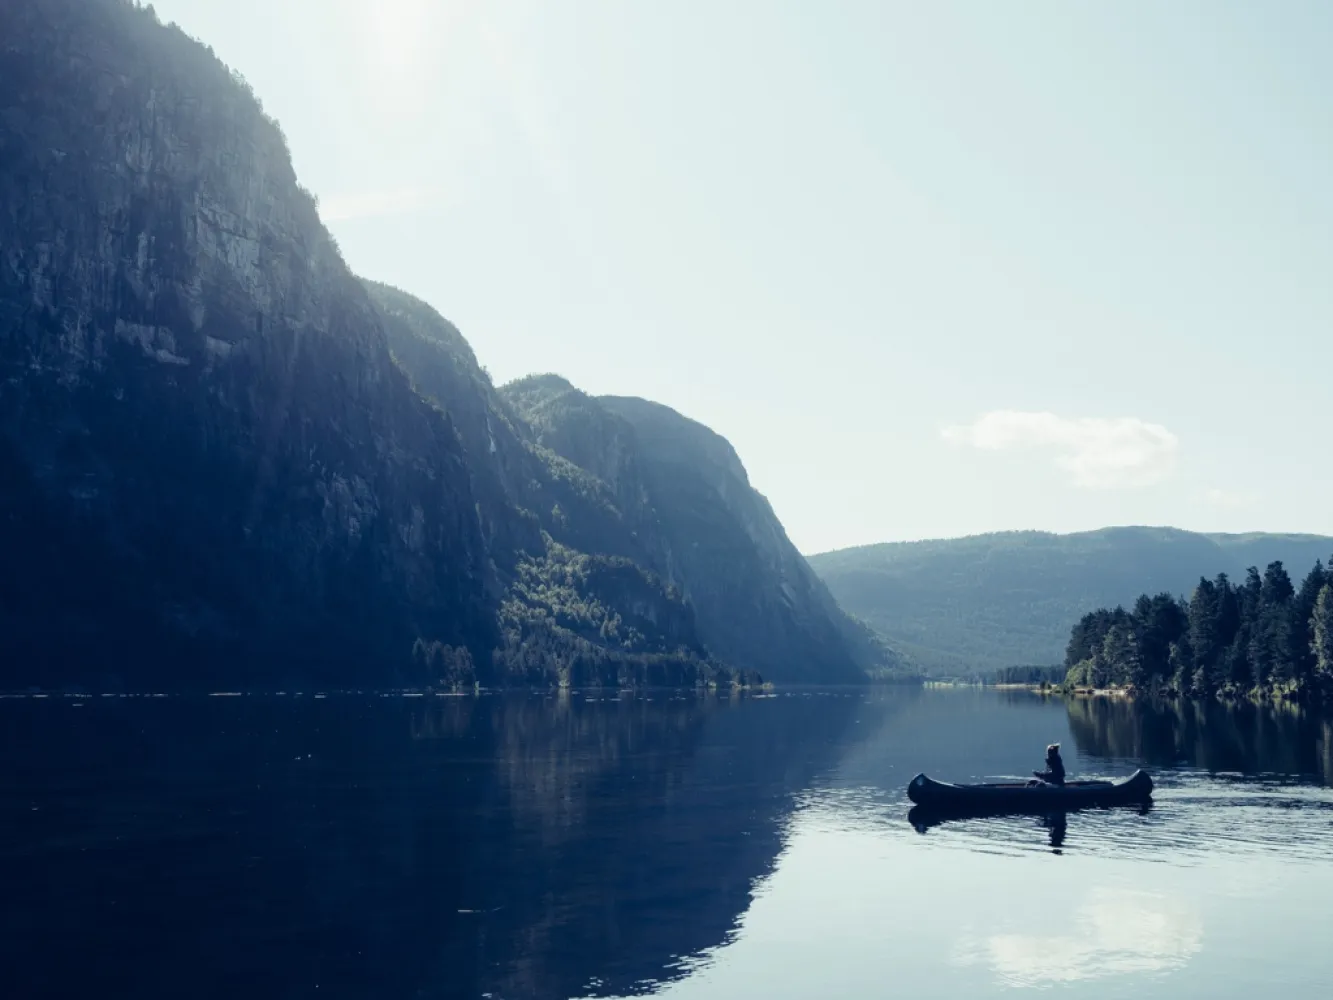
[[404, 35]]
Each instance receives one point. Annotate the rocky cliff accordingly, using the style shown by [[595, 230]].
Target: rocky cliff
[[213, 468], [693, 517], [581, 604], [225, 460]]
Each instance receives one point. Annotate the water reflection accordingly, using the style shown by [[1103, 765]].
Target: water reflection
[[567, 845], [1058, 824], [354, 847], [1055, 824], [1244, 737], [1112, 932]]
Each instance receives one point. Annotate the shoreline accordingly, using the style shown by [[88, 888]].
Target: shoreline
[[1257, 697]]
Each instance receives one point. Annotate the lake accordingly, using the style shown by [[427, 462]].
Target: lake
[[687, 845]]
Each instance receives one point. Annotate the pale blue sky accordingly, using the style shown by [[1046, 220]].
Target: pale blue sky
[[933, 268]]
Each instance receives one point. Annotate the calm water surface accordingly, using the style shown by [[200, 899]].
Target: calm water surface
[[697, 847]]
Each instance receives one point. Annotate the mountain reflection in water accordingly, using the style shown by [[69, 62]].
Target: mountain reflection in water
[[697, 845], [434, 847]]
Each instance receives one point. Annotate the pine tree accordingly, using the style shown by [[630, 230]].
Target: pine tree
[[1272, 659], [1321, 629], [1257, 636], [1083, 640], [1247, 594], [1302, 611], [1234, 665], [1277, 588], [1158, 622], [1120, 653], [1204, 640], [1182, 664], [1228, 610]]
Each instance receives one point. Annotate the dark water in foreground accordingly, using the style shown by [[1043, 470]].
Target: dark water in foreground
[[359, 846]]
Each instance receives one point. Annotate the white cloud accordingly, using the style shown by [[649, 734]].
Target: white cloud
[[1097, 452]]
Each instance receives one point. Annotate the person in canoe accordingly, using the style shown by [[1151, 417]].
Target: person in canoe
[[1055, 768]]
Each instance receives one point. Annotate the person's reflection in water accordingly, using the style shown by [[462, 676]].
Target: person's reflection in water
[[923, 821], [1058, 824]]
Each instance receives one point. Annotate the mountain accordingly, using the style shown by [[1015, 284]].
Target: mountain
[[686, 509], [225, 460], [213, 468], [575, 593], [988, 601]]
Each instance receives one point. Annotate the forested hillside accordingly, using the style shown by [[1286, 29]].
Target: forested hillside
[[1263, 635], [970, 606]]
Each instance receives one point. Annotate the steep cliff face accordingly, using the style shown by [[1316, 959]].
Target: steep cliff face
[[225, 460], [581, 604], [758, 600], [630, 480], [578, 428], [212, 466], [216, 472], [444, 370], [605, 506], [693, 518], [523, 487]]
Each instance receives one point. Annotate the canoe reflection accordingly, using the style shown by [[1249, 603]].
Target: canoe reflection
[[1056, 822]]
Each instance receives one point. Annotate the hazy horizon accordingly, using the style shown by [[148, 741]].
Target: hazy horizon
[[1064, 534], [933, 270]]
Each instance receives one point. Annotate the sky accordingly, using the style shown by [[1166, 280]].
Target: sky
[[934, 269]]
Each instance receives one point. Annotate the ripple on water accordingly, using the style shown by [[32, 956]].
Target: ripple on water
[[1194, 818]]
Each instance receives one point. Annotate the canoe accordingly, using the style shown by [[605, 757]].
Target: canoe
[[1022, 797]]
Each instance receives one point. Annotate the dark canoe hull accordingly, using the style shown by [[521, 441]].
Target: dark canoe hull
[[939, 796]]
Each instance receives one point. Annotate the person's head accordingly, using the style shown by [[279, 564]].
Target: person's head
[[1052, 751]]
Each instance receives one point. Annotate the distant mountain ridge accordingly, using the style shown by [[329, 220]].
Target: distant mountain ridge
[[1010, 598]]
